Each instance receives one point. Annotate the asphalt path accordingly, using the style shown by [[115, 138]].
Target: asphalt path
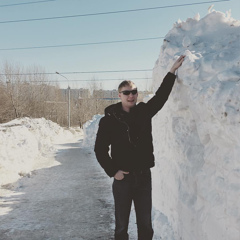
[[72, 200]]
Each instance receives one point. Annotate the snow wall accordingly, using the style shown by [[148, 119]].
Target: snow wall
[[196, 180]]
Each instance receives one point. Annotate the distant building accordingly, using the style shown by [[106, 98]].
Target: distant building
[[76, 93], [84, 93], [105, 94], [142, 94], [112, 95]]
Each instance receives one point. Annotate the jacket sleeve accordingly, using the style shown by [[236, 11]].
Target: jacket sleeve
[[103, 141], [161, 95]]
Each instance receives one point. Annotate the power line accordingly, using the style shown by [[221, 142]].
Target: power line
[[102, 79], [81, 44], [110, 71], [91, 80], [25, 3], [85, 72], [113, 12]]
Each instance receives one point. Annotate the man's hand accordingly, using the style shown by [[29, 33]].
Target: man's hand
[[177, 64], [120, 175]]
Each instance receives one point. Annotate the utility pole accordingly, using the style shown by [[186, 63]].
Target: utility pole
[[69, 111]]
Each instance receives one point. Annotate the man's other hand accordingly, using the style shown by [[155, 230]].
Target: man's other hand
[[120, 175]]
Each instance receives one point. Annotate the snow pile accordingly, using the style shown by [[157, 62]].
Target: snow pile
[[196, 181], [90, 129], [26, 144]]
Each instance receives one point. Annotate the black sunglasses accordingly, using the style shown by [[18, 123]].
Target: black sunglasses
[[127, 92]]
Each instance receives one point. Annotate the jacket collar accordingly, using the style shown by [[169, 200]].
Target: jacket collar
[[115, 109]]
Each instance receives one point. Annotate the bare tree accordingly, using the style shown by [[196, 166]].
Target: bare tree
[[24, 94], [32, 95]]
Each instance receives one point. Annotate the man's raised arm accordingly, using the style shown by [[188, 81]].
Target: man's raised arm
[[163, 92]]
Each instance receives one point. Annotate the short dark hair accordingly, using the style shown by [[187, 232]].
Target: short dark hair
[[125, 83]]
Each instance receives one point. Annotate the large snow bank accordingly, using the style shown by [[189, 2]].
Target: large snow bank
[[196, 181], [26, 144]]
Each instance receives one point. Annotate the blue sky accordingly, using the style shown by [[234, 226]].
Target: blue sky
[[89, 29]]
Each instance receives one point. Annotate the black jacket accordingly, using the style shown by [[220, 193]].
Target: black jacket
[[130, 134]]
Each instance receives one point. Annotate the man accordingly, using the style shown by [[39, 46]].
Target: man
[[127, 128]]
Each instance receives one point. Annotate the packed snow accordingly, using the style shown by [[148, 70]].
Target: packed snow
[[28, 144], [196, 181]]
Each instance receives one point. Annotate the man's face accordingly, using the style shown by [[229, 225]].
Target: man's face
[[130, 100]]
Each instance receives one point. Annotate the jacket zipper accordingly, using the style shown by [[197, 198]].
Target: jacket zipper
[[128, 128]]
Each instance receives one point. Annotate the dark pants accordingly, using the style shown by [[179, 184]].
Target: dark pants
[[136, 187]]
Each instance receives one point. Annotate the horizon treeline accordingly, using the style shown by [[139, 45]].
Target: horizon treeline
[[34, 96]]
